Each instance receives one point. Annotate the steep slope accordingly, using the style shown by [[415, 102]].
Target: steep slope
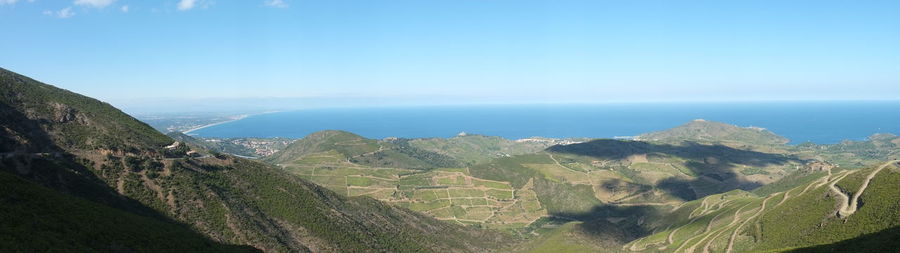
[[816, 211], [88, 149], [714, 132], [58, 221]]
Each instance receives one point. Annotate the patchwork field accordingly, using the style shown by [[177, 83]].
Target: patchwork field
[[447, 194]]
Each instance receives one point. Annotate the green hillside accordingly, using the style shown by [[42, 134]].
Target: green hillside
[[807, 217], [35, 218], [89, 150], [395, 153], [473, 149], [715, 132]]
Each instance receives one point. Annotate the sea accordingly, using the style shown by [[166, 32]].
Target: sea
[[818, 122]]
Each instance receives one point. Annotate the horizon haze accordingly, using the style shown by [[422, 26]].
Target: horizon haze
[[463, 52]]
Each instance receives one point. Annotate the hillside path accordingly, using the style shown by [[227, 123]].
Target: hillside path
[[850, 205]]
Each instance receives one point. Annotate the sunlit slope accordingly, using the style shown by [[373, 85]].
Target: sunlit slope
[[815, 213], [395, 153], [447, 193], [472, 149]]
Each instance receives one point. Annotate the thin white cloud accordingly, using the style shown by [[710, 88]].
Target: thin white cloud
[[64, 13], [124, 8], [184, 5], [94, 3], [3, 2], [276, 3]]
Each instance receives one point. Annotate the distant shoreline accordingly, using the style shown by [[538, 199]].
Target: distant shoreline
[[233, 119], [236, 118]]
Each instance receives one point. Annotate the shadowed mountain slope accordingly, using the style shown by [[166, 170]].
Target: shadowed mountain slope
[[85, 148]]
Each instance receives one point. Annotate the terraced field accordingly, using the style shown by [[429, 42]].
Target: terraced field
[[447, 194]]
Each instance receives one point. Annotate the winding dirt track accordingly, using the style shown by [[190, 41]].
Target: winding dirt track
[[849, 205], [708, 227], [737, 217], [762, 209], [787, 194]]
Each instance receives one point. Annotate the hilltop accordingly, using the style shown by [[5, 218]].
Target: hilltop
[[70, 150], [715, 132]]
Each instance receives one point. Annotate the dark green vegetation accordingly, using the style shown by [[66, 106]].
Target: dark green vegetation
[[58, 221], [883, 241], [91, 156]]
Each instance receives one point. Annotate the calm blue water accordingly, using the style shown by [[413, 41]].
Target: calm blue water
[[819, 122]]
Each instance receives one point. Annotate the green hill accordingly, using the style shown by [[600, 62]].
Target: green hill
[[473, 149], [715, 132], [95, 155], [394, 153]]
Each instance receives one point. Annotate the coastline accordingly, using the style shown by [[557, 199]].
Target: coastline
[[232, 119], [236, 118]]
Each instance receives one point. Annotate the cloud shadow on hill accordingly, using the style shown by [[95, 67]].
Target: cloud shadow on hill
[[713, 164]]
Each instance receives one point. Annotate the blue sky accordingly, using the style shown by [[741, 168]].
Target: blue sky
[[457, 51]]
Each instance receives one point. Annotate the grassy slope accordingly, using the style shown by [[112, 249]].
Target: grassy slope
[[809, 209], [562, 239], [368, 152], [473, 149]]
